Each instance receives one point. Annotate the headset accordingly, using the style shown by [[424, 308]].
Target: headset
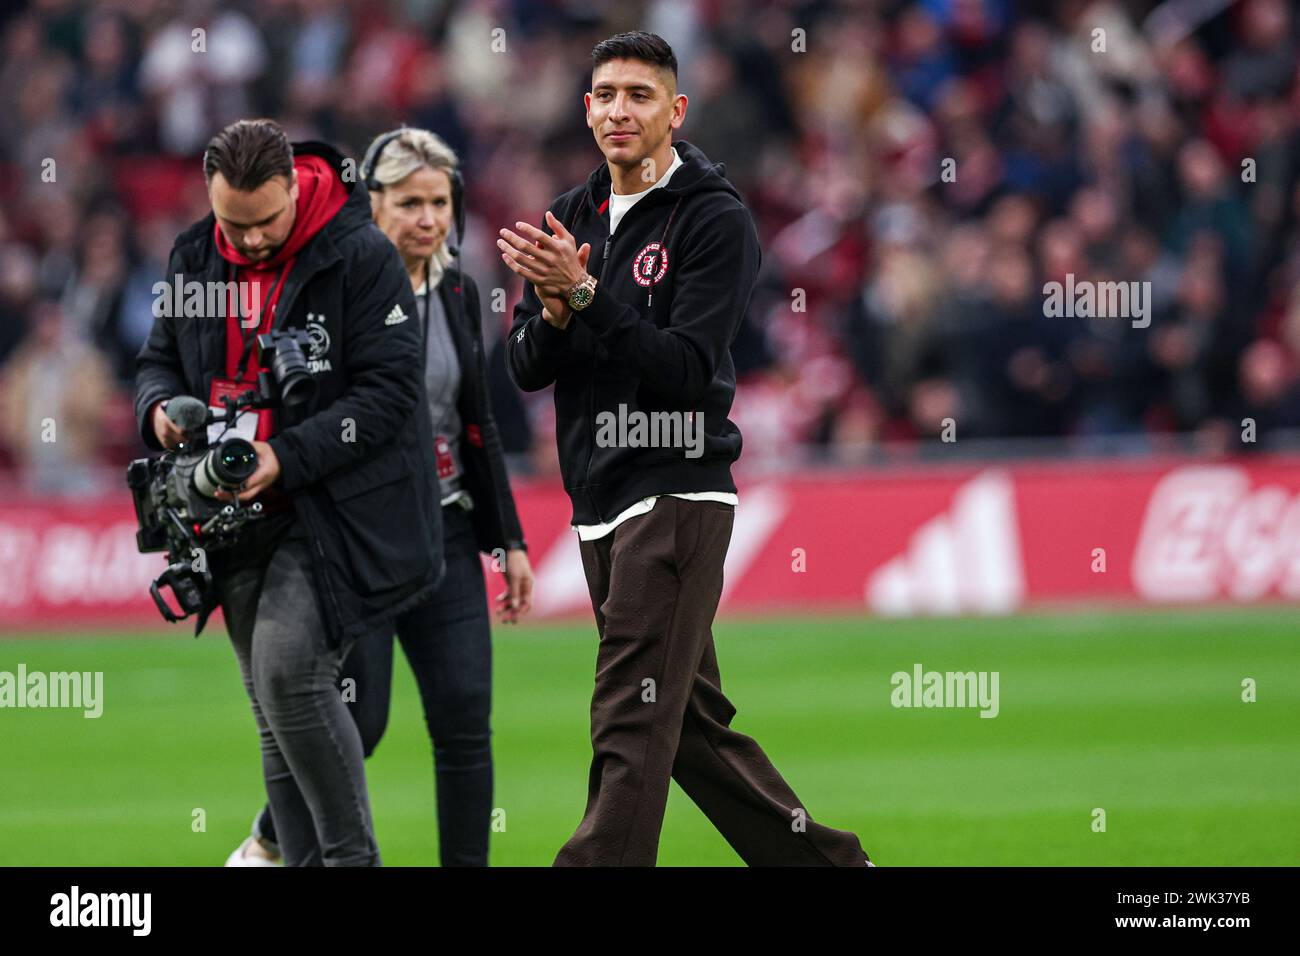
[[371, 160]]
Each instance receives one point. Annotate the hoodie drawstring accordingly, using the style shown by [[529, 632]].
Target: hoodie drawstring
[[663, 250]]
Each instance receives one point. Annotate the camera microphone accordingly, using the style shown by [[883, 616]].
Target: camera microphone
[[187, 412]]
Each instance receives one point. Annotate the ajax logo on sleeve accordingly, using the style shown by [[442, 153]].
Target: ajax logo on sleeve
[[650, 265]]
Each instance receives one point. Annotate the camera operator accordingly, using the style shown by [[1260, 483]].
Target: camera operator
[[352, 534]]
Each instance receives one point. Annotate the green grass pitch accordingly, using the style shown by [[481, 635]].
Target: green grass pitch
[[1137, 713]]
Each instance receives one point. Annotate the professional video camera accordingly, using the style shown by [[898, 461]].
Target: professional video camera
[[175, 494]]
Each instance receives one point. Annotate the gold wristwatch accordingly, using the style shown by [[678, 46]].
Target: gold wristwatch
[[580, 295]]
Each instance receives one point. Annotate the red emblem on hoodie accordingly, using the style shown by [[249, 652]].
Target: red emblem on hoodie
[[650, 265]]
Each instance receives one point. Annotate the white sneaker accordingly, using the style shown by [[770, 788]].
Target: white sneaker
[[255, 852]]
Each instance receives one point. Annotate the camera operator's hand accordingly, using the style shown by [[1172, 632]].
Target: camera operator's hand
[[168, 432], [268, 471]]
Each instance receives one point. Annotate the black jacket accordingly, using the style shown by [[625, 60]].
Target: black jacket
[[496, 523], [655, 338], [370, 504]]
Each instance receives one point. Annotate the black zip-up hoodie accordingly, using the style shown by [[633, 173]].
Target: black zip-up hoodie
[[673, 285]]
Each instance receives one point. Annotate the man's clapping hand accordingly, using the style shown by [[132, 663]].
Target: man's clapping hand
[[554, 264]]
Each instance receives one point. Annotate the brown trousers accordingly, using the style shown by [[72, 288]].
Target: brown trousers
[[658, 710]]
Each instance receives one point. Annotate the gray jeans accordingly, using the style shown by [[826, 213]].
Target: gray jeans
[[311, 750]]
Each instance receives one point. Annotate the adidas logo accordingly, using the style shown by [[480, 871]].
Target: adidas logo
[[396, 317], [967, 560]]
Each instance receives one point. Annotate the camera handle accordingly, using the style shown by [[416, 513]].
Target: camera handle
[[234, 404], [180, 578]]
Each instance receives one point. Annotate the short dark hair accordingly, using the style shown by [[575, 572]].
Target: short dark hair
[[248, 153], [637, 45]]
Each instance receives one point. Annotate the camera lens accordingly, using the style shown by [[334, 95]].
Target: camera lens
[[227, 466], [291, 373]]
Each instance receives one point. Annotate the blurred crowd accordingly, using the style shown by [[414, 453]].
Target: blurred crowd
[[918, 171]]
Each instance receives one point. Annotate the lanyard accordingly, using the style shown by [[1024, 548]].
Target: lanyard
[[249, 335]]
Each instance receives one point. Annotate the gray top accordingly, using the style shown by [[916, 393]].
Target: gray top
[[442, 378]]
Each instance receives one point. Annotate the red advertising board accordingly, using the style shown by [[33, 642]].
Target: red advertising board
[[977, 539]]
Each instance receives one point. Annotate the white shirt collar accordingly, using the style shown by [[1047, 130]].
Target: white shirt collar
[[661, 181]]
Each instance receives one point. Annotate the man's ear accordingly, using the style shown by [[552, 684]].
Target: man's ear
[[679, 110], [586, 101], [293, 184]]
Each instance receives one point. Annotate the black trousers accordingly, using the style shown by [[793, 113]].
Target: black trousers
[[658, 711], [448, 642]]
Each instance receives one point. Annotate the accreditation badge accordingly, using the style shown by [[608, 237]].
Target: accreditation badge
[[442, 452]]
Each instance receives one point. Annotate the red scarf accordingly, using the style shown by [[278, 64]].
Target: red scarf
[[321, 194]]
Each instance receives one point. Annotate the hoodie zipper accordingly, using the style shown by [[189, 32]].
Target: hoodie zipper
[[591, 400], [591, 383]]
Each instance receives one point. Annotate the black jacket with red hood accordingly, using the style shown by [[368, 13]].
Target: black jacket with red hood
[[356, 459]]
